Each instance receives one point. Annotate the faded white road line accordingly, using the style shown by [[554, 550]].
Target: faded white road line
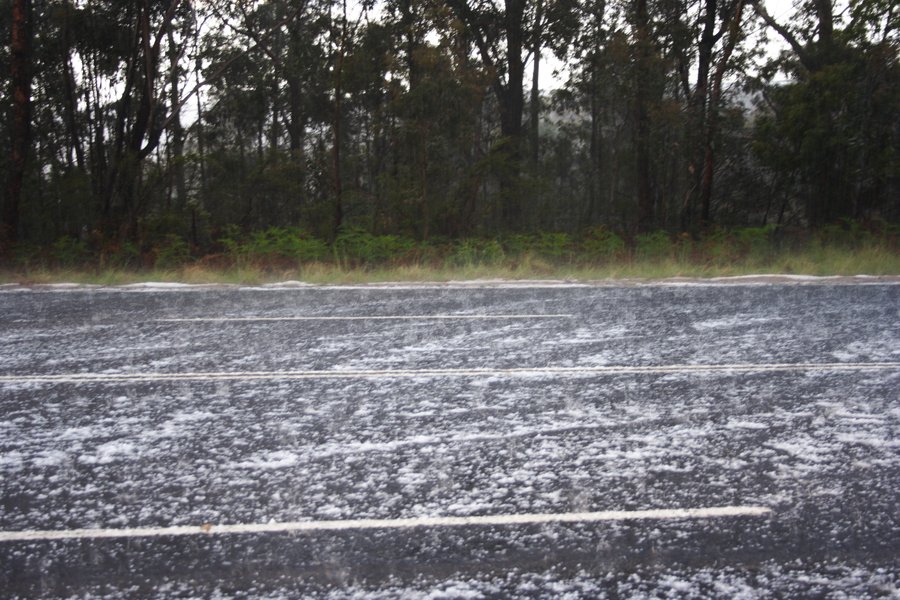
[[524, 519], [362, 318], [412, 373]]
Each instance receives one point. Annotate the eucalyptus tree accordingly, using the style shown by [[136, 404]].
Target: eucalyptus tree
[[505, 35], [20, 128], [833, 123], [706, 35]]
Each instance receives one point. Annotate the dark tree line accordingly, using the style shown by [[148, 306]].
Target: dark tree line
[[127, 121]]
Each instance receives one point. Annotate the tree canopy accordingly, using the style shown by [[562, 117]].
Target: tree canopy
[[129, 121]]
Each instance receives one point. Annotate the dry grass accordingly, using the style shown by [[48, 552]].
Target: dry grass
[[821, 261]]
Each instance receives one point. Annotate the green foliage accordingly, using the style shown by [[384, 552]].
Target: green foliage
[[230, 239], [552, 246], [831, 129], [555, 245], [518, 244], [26, 256], [272, 245], [172, 252], [756, 242], [284, 242], [69, 252], [653, 245], [356, 247], [473, 252], [122, 256], [601, 243], [845, 234], [717, 247], [844, 249]]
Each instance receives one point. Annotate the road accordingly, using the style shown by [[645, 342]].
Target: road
[[344, 434]]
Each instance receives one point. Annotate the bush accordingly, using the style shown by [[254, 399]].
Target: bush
[[652, 245], [602, 243], [69, 252], [230, 238], [477, 252], [756, 242], [27, 256], [283, 242], [359, 247], [555, 245], [126, 255], [172, 252], [845, 234], [273, 244], [518, 244]]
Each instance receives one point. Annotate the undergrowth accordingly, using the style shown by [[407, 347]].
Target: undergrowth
[[283, 253]]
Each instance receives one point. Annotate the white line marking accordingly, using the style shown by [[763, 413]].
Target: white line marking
[[362, 318], [524, 519], [412, 373]]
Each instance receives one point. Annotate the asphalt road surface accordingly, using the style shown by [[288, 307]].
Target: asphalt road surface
[[670, 440]]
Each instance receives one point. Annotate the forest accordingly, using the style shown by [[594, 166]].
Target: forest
[[176, 129]]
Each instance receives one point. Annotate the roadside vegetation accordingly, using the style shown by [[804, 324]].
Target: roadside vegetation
[[280, 254], [331, 140]]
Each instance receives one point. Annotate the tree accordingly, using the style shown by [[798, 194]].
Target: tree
[[835, 122], [718, 37], [20, 130], [499, 35]]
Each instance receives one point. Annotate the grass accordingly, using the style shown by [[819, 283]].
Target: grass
[[815, 259], [356, 256]]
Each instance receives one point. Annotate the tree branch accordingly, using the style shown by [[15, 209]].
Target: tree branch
[[224, 66], [789, 37]]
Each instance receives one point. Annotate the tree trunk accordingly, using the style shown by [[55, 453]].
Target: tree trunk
[[296, 118], [711, 125], [176, 130], [512, 108], [20, 76], [535, 89], [338, 214], [596, 147], [71, 105], [644, 52], [698, 114]]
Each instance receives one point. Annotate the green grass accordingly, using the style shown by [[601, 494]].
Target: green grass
[[356, 256], [816, 259]]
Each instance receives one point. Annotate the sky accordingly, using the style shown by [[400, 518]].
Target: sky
[[781, 10]]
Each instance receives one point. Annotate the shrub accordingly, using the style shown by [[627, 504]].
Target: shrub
[[602, 243], [273, 244], [518, 244], [284, 242], [555, 245], [69, 252], [360, 247], [652, 245], [756, 242], [718, 247], [27, 256], [846, 233], [172, 252], [477, 252], [123, 256], [231, 240]]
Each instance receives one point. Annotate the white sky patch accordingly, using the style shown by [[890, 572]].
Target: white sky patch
[[356, 524]]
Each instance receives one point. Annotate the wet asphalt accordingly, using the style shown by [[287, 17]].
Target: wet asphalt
[[819, 447]]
